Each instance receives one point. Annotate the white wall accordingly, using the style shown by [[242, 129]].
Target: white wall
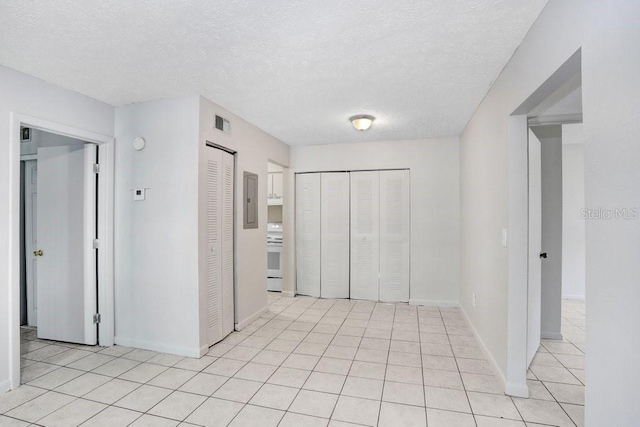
[[160, 272], [434, 202], [45, 139], [555, 36], [156, 240], [29, 96], [573, 225], [611, 60], [254, 149]]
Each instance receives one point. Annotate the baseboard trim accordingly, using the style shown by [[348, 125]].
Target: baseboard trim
[[574, 297], [288, 294], [492, 361], [517, 390], [162, 348], [5, 386], [204, 350], [433, 303], [557, 336], [246, 322]]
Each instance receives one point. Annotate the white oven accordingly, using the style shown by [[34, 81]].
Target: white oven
[[274, 257]]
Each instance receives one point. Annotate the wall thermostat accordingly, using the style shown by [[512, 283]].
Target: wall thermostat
[[139, 193], [139, 143]]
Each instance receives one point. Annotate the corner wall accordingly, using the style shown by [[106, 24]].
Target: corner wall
[[27, 95], [610, 88], [254, 149], [156, 240], [556, 35], [434, 165]]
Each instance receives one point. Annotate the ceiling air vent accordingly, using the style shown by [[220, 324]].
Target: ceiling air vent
[[223, 124]]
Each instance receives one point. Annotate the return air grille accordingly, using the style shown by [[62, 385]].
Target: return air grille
[[223, 124]]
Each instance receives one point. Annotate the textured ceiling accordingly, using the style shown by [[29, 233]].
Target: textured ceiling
[[296, 69]]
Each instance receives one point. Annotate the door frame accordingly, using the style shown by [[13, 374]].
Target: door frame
[[518, 221], [105, 199]]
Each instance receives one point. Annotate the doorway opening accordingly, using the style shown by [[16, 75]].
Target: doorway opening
[[546, 250], [62, 246], [275, 232]]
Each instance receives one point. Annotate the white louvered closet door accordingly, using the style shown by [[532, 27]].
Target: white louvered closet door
[[219, 220], [365, 253], [214, 245], [228, 174], [308, 234], [394, 235], [334, 235]]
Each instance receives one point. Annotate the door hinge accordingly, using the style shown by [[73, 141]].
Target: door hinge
[[96, 243], [96, 168], [97, 318]]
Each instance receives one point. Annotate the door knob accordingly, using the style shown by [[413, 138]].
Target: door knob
[[543, 254], [38, 252]]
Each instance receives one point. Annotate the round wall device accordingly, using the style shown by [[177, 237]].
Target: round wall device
[[139, 143]]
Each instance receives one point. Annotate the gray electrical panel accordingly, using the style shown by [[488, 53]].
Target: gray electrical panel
[[250, 200]]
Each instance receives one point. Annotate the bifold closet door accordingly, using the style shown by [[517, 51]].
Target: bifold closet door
[[228, 174], [308, 234], [365, 244], [219, 220], [394, 235], [334, 235]]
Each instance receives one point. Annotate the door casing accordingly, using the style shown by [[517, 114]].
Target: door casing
[[106, 327]]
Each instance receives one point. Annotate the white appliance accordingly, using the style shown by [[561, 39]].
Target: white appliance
[[274, 257]]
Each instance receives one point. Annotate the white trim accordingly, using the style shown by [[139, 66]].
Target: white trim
[[510, 389], [159, 347], [517, 252], [105, 229], [556, 336], [288, 294], [204, 350], [517, 390], [27, 157], [5, 386], [433, 303], [246, 322], [574, 297]]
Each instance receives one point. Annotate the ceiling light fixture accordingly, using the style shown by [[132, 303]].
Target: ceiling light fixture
[[362, 121]]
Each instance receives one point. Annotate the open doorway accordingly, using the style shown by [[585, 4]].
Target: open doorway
[[62, 223], [59, 303], [275, 234], [543, 363]]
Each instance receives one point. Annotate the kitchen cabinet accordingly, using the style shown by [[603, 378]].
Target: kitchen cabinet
[[275, 188]]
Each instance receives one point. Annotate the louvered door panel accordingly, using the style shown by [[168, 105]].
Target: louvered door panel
[[365, 235], [308, 234], [394, 235], [334, 235], [227, 243], [214, 246]]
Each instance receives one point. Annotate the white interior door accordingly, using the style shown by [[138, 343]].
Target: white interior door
[[334, 235], [227, 242], [308, 234], [66, 228], [395, 223], [535, 247], [31, 238], [365, 235]]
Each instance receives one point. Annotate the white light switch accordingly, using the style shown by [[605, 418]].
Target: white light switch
[[504, 237], [139, 193]]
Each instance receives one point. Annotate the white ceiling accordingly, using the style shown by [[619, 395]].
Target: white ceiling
[[296, 69]]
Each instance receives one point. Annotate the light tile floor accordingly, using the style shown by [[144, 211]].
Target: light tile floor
[[306, 362]]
